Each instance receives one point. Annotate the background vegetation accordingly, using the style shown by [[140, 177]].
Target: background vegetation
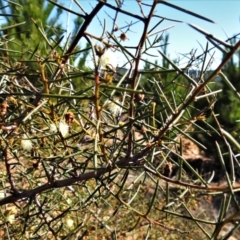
[[101, 151]]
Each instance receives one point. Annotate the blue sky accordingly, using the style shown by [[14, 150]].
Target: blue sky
[[182, 38], [225, 14]]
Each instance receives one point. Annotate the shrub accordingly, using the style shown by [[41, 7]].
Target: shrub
[[101, 153]]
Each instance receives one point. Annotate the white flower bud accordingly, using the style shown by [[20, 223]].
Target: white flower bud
[[114, 108], [63, 128], [108, 59], [26, 143], [53, 128], [10, 218], [69, 222]]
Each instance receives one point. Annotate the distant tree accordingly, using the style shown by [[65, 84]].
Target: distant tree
[[228, 99], [161, 76], [27, 36], [37, 30], [32, 32], [226, 107]]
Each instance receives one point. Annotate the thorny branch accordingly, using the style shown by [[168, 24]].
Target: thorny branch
[[110, 145]]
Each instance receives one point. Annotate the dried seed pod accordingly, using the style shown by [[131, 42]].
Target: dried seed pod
[[69, 117], [167, 171], [43, 142], [99, 50], [55, 55], [139, 97], [123, 36], [144, 129], [116, 28], [35, 164], [3, 108]]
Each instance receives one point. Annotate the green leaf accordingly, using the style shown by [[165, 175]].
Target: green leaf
[[12, 26]]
